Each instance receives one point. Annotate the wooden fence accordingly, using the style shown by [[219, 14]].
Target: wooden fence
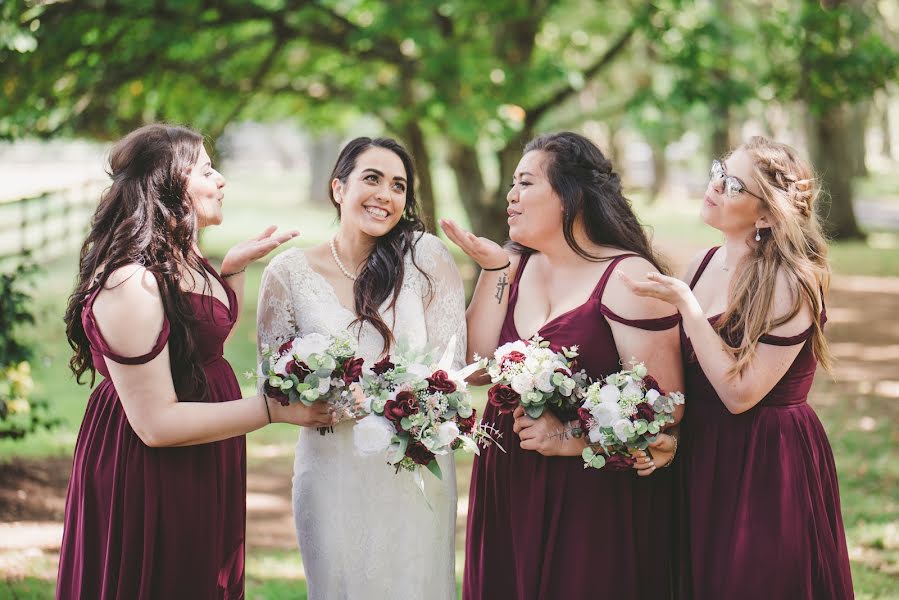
[[46, 226]]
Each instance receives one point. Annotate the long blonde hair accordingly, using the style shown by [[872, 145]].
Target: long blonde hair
[[794, 246]]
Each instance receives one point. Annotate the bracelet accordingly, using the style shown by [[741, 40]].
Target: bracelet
[[673, 453], [227, 275], [505, 266], [267, 411]]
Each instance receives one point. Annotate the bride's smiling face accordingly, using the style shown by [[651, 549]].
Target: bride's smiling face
[[372, 199]]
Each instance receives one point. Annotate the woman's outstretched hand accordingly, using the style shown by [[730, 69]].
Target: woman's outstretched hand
[[487, 253], [668, 289], [242, 254]]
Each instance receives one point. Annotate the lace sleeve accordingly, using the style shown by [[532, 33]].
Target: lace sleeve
[[275, 319], [444, 299]]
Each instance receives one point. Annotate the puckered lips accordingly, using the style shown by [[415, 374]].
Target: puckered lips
[[708, 201], [512, 214]]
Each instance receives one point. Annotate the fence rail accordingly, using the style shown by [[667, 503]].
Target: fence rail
[[48, 225]]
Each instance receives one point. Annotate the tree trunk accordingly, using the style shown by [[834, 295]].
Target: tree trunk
[[886, 143], [323, 150], [720, 138], [486, 211], [425, 187], [659, 171], [857, 128], [830, 147]]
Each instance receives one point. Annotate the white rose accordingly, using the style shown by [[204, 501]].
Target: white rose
[[651, 396], [623, 429], [606, 413], [632, 389], [312, 343], [543, 381], [445, 434], [372, 434], [282, 362], [522, 383], [505, 349], [594, 435], [609, 393]]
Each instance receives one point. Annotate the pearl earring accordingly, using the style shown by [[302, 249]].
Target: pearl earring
[[758, 236]]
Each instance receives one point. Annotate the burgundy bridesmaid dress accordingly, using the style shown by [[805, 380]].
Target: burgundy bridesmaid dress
[[762, 501], [156, 523], [544, 528]]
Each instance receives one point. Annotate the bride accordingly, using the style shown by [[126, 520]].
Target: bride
[[364, 530]]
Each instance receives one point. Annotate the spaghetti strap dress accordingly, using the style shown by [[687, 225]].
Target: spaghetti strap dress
[[146, 523], [543, 528], [762, 503]]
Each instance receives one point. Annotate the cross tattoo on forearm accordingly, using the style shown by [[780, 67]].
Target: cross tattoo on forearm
[[500, 288]]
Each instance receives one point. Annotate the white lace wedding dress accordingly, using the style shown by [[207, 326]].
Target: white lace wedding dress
[[366, 532]]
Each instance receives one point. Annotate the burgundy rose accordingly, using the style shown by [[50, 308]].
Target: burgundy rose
[[405, 405], [504, 398], [513, 357], [298, 368], [650, 383], [467, 425], [585, 418], [276, 393], [645, 411], [440, 382], [619, 462], [352, 370], [382, 366], [285, 347], [419, 454]]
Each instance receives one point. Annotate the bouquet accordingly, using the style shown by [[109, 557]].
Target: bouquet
[[312, 368], [417, 412], [533, 375], [626, 411]]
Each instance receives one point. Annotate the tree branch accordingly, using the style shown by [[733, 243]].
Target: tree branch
[[536, 113]]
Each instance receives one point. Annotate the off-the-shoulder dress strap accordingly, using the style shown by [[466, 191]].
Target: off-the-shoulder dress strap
[[657, 324]]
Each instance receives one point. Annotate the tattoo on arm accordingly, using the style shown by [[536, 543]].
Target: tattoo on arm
[[501, 288]]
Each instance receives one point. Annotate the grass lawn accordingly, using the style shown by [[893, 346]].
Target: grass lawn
[[861, 422]]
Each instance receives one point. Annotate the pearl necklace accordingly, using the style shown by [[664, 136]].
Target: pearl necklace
[[342, 268]]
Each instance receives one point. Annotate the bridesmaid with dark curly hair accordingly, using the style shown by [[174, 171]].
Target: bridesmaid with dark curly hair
[[157, 499]]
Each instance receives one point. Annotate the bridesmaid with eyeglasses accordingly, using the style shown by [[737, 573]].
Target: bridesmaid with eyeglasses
[[762, 501]]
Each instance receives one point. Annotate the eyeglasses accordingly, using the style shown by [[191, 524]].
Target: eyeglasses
[[732, 185]]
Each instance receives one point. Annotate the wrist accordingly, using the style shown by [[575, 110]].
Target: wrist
[[496, 266], [233, 267]]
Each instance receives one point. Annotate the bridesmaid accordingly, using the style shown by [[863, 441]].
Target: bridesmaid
[[763, 505], [156, 503], [540, 526]]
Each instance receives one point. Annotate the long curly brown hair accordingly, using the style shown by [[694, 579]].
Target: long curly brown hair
[[146, 218]]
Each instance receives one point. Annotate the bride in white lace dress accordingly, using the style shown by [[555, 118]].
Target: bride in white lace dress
[[366, 532]]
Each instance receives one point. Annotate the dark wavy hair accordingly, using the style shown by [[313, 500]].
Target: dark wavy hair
[[383, 271], [589, 188], [145, 217]]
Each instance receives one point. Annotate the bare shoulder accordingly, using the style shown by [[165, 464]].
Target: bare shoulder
[[129, 310], [620, 300], [785, 294], [694, 265]]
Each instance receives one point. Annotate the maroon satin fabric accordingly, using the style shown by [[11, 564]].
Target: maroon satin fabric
[[761, 509], [543, 528], [149, 523]]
